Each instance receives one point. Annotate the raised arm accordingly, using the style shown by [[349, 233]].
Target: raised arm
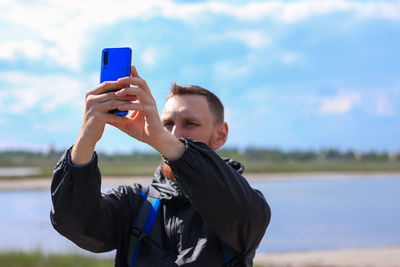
[[93, 220], [238, 214], [80, 211]]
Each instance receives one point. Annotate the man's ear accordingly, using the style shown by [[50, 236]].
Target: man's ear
[[220, 136]]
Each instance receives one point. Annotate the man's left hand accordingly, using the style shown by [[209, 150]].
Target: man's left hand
[[144, 124]]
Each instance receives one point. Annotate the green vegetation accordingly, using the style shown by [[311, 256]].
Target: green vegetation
[[256, 160], [37, 259]]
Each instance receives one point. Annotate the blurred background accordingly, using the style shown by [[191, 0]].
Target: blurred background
[[311, 91]]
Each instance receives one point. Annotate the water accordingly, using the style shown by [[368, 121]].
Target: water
[[310, 214], [18, 171], [307, 214]]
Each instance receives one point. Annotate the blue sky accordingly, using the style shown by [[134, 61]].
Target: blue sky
[[292, 74]]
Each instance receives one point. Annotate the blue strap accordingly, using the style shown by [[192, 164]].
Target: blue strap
[[224, 252], [152, 216], [150, 220], [135, 255], [231, 258], [137, 248]]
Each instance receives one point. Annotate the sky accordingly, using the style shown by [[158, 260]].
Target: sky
[[291, 74]]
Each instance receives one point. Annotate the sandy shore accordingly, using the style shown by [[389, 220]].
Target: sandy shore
[[363, 257], [44, 183]]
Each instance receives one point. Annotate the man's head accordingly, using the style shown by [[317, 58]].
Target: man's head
[[194, 112]]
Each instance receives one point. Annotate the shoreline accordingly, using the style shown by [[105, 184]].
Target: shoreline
[[109, 181], [382, 256], [387, 256]]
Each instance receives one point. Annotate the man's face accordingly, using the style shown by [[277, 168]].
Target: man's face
[[189, 116]]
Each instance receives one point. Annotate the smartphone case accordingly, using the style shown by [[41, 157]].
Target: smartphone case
[[115, 64]]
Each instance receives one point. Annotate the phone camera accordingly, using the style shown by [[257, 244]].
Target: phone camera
[[105, 58]]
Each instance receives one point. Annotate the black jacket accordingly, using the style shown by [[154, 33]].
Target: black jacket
[[209, 202]]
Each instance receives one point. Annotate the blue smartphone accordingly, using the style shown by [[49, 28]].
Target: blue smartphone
[[115, 64]]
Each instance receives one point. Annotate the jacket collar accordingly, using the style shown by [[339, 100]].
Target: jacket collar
[[165, 189]]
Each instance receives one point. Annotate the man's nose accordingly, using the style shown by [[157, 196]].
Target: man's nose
[[177, 131]]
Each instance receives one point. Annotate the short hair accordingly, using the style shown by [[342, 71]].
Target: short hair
[[215, 105]]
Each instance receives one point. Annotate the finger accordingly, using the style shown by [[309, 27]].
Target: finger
[[134, 91], [108, 105], [120, 122], [134, 106], [92, 99], [105, 87], [116, 121], [134, 72], [139, 82]]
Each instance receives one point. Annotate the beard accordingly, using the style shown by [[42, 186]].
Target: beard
[[166, 169], [167, 172]]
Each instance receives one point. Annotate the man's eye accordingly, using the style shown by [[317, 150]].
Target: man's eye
[[189, 123], [168, 124]]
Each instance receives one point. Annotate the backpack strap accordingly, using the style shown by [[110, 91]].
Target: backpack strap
[[230, 258], [142, 226]]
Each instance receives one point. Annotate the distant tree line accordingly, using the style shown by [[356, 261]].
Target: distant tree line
[[264, 154], [23, 157], [248, 154]]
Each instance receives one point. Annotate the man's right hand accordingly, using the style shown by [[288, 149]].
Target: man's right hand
[[98, 102]]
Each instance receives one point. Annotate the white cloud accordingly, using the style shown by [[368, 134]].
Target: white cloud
[[149, 56], [282, 11], [291, 58], [30, 48], [27, 91], [340, 104], [253, 39], [61, 28], [225, 69]]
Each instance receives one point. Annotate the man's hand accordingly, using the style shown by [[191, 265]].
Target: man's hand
[[99, 101], [144, 124]]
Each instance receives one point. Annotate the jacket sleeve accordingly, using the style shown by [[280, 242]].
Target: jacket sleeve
[[238, 214], [80, 212]]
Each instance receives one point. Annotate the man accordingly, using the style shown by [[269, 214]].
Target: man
[[207, 210]]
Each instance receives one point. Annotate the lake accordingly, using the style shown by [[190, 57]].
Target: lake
[[18, 171], [307, 214]]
